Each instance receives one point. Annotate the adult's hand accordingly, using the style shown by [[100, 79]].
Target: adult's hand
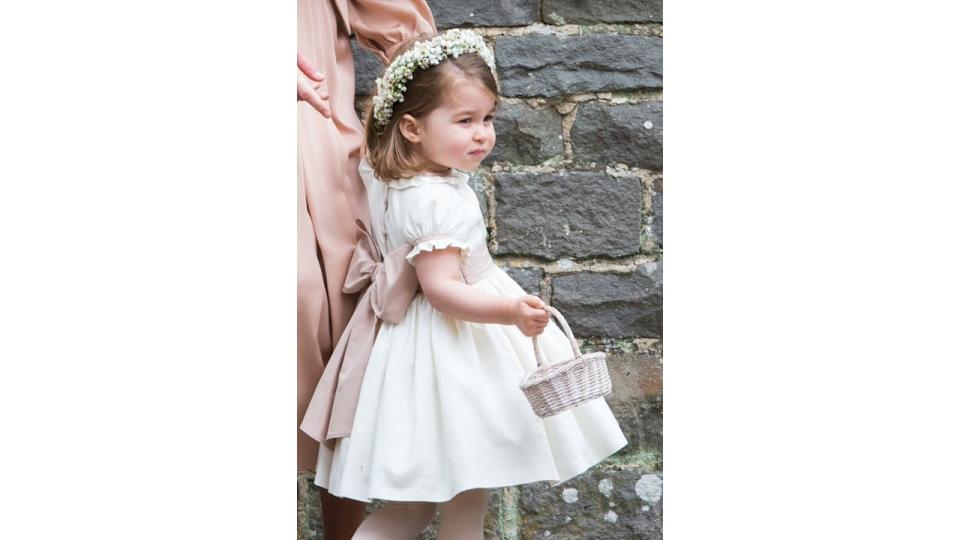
[[309, 81]]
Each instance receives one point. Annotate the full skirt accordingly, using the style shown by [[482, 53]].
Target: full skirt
[[440, 411]]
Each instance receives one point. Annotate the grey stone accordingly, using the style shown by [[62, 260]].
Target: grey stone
[[656, 218], [637, 399], [607, 11], [455, 13], [526, 135], [636, 375], [367, 68], [553, 65], [309, 517], [493, 528], [630, 133], [476, 182], [612, 305], [641, 422], [586, 512], [567, 214], [528, 278]]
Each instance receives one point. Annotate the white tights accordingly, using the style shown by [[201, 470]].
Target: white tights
[[461, 518]]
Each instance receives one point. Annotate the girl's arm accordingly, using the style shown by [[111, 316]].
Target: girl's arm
[[442, 284]]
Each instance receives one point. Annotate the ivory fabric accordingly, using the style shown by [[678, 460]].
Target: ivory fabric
[[440, 410], [330, 193]]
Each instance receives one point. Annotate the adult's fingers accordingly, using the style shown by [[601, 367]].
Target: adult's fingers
[[317, 103], [320, 105], [307, 68], [308, 92]]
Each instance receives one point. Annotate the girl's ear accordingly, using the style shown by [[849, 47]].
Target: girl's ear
[[410, 128]]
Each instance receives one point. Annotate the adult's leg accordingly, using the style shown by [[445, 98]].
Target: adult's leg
[[341, 517], [330, 195], [313, 323], [461, 518], [397, 521]]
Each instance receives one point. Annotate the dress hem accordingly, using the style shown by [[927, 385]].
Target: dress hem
[[396, 496]]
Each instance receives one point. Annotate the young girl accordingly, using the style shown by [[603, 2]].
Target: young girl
[[440, 416]]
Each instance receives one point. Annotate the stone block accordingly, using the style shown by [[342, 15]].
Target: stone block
[[655, 228], [598, 504], [637, 400], [367, 68], [567, 214], [309, 517], [555, 65], [599, 304], [526, 135], [528, 278], [454, 13], [630, 133], [477, 184], [607, 11]]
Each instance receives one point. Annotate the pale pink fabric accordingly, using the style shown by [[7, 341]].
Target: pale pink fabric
[[390, 285], [330, 193]]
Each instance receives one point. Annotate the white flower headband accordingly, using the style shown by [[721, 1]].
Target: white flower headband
[[423, 54]]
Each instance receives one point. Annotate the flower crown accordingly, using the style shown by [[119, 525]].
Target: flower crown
[[423, 54]]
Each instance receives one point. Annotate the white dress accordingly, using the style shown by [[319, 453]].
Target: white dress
[[440, 410]]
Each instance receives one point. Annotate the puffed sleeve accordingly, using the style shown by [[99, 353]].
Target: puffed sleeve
[[382, 25], [433, 217]]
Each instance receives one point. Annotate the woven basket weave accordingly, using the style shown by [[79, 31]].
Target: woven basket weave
[[554, 388]]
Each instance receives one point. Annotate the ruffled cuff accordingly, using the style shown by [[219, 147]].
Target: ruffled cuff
[[438, 242]]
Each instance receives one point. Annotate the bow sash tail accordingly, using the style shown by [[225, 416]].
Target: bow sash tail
[[391, 283]]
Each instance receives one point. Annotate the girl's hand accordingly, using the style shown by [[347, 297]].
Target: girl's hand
[[308, 87], [530, 316], [441, 280]]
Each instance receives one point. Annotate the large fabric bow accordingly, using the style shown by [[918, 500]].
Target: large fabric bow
[[391, 284]]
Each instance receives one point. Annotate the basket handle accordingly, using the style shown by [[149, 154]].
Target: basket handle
[[538, 351]]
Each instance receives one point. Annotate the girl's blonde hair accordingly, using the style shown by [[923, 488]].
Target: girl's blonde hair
[[391, 155]]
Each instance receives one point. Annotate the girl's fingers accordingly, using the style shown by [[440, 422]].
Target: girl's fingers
[[533, 301]]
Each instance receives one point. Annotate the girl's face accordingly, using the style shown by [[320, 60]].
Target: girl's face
[[459, 133]]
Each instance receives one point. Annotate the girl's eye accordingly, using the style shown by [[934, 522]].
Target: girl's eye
[[466, 121], [489, 118]]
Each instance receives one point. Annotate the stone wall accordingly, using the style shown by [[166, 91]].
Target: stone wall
[[573, 200]]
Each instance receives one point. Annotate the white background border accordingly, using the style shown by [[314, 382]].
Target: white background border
[[147, 221]]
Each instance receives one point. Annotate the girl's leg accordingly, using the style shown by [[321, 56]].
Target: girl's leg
[[397, 521], [461, 518]]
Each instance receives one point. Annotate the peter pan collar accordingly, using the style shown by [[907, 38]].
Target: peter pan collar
[[455, 178]]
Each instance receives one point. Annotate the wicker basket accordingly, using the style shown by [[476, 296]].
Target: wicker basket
[[554, 388]]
